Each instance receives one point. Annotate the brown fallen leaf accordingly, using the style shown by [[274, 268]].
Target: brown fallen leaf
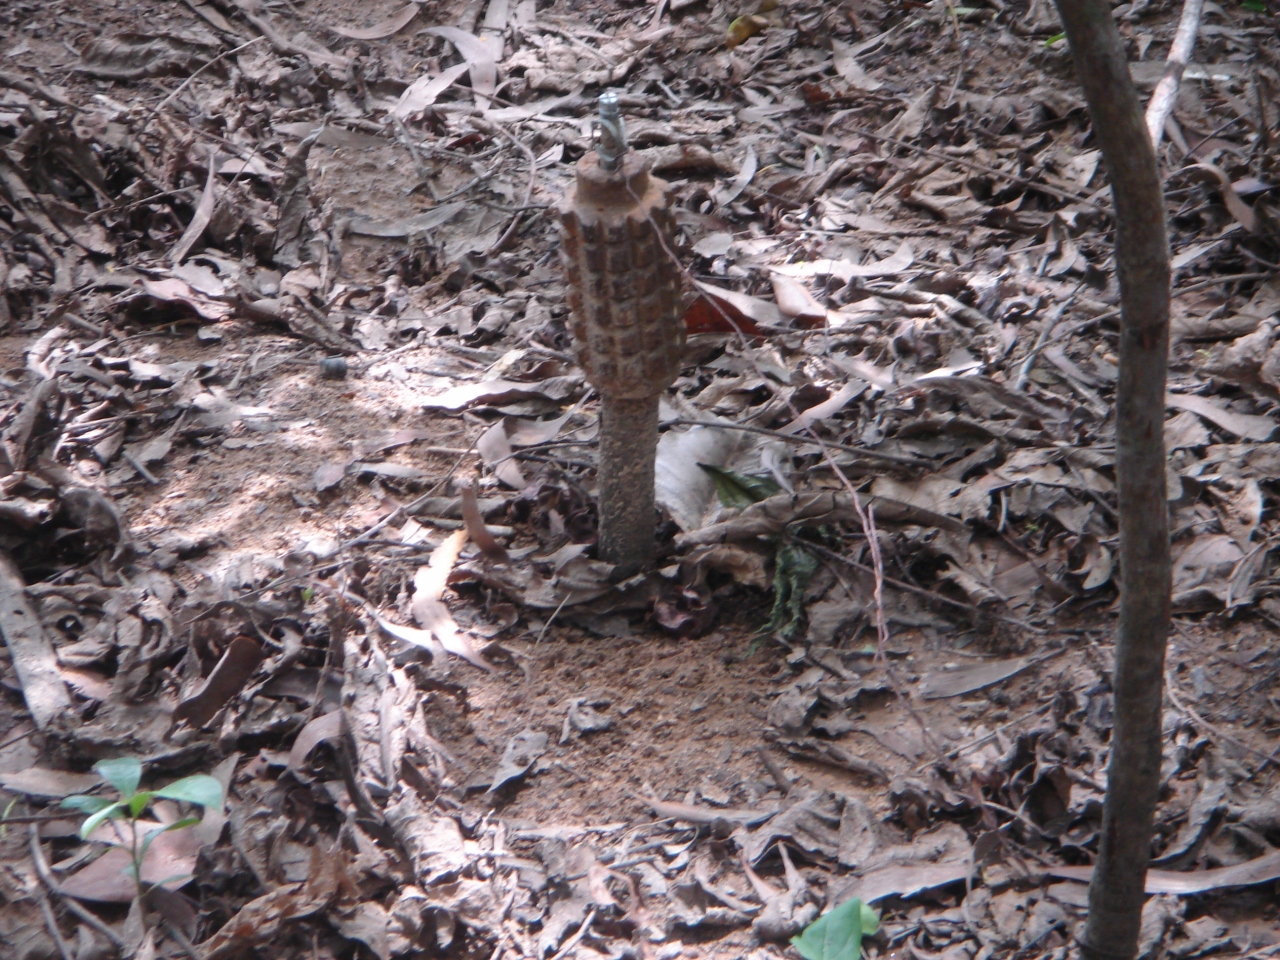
[[430, 611], [200, 219], [845, 270], [385, 28], [795, 301], [475, 526], [479, 53], [902, 881], [1260, 870], [316, 732], [489, 392], [173, 290], [494, 447], [829, 407], [329, 474], [260, 920], [423, 92], [169, 860], [228, 678], [739, 311], [1245, 425], [941, 684], [43, 782], [1238, 208]]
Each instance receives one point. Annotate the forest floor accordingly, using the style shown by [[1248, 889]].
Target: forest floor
[[298, 479]]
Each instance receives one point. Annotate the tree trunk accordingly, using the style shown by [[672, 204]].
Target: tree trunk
[[1142, 264]]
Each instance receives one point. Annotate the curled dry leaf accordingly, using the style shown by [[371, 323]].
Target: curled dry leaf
[[475, 526], [386, 28], [479, 53], [423, 92], [316, 732], [431, 612], [200, 220], [521, 752], [228, 678]]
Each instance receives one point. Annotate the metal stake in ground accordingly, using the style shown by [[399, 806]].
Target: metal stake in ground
[[624, 294]]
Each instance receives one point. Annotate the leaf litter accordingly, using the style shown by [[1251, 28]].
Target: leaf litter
[[299, 476]]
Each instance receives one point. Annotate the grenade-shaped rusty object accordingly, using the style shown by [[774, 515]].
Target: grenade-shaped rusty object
[[624, 296]]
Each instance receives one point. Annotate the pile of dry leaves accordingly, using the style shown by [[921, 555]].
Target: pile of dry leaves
[[298, 481]]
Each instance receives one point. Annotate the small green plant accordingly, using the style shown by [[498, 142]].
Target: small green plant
[[837, 935], [125, 773]]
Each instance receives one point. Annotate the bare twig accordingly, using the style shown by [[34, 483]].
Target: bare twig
[[33, 88], [573, 941], [1116, 891], [410, 507], [1028, 182], [793, 438], [51, 883], [507, 234], [1166, 92], [1227, 278], [187, 82], [1210, 729]]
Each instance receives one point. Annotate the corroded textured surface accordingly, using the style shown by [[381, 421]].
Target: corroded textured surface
[[628, 449], [624, 287], [624, 293]]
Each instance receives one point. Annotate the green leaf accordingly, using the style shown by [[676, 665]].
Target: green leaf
[[139, 801], [837, 935], [91, 822], [1257, 6], [86, 804], [201, 789], [123, 773], [1054, 39], [740, 490]]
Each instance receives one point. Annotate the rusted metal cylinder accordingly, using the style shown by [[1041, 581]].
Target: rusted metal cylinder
[[628, 450], [624, 296]]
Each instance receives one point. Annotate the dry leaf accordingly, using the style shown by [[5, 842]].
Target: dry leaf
[[199, 220], [393, 24]]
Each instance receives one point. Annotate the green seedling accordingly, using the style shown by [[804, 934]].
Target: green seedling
[[837, 935], [125, 773]]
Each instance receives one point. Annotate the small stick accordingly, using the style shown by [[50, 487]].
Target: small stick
[[794, 438], [1228, 278], [51, 883], [187, 82], [528, 190], [1166, 92]]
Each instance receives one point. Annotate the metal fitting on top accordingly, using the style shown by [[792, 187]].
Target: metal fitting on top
[[613, 132]]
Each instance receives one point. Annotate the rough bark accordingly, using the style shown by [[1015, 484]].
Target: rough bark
[[1142, 265]]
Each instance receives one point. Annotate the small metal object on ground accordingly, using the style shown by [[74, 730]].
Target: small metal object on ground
[[333, 368], [624, 293]]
